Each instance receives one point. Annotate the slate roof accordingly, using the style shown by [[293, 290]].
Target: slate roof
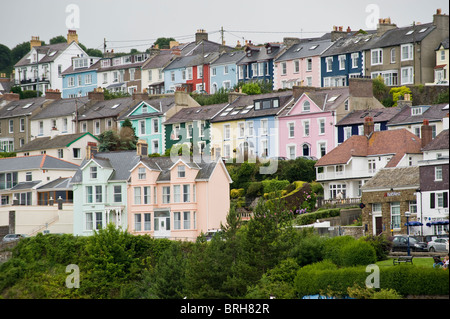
[[159, 61], [243, 107], [62, 107], [304, 49], [189, 114], [164, 163], [440, 142], [260, 53], [161, 104], [397, 142], [107, 108], [326, 100], [43, 161], [399, 36], [70, 70], [25, 185], [397, 177], [22, 107], [192, 60], [121, 162], [204, 46], [58, 141], [354, 43], [229, 57], [47, 50], [379, 115], [444, 44], [435, 112]]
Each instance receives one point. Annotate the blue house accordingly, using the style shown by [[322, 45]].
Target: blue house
[[81, 77], [353, 123], [344, 59], [224, 71], [257, 64]]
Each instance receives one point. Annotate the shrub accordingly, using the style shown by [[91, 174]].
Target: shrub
[[310, 218], [358, 253], [236, 193], [274, 185], [255, 189], [381, 245], [333, 248]]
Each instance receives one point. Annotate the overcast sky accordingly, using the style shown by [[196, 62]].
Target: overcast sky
[[143, 21]]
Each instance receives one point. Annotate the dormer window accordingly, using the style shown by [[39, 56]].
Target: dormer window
[[269, 50], [266, 104], [416, 111], [181, 171]]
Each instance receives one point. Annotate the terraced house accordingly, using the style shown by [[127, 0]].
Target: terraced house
[[100, 191], [177, 199], [406, 55]]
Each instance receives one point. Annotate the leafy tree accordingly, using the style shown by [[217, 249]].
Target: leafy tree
[[58, 39], [251, 88], [127, 135], [163, 43], [5, 59], [398, 92], [108, 141]]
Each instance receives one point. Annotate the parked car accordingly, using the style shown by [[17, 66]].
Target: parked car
[[400, 243], [438, 244], [13, 237]]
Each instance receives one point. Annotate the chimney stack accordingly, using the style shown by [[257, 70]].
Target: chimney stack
[[51, 94], [426, 132], [140, 96], [337, 33], [142, 148], [11, 96], [72, 36], [91, 150], [35, 42], [200, 36], [368, 126], [384, 25], [96, 95]]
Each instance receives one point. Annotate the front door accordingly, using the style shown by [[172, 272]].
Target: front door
[[378, 225], [162, 224]]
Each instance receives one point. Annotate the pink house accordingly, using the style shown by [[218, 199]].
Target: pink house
[[177, 200], [300, 65], [307, 128]]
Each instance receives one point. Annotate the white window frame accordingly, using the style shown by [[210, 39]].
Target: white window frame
[[354, 57], [291, 129], [329, 63], [407, 52], [409, 79], [341, 59], [306, 128], [376, 56]]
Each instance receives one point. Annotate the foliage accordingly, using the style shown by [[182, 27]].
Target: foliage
[[442, 98], [274, 185], [113, 95], [163, 43], [381, 244], [251, 88], [358, 292], [7, 154], [398, 92], [236, 193], [310, 218], [221, 96], [357, 253], [255, 189]]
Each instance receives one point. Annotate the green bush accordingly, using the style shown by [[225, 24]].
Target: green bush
[[310, 218], [403, 279], [255, 189], [333, 248], [274, 185], [358, 253], [381, 245], [236, 193]]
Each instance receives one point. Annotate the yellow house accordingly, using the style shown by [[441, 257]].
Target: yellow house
[[441, 69], [224, 138]]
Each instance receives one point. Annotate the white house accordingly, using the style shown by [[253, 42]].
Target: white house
[[344, 170], [42, 67]]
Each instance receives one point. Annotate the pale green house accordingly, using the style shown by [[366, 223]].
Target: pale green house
[[147, 119], [100, 191]]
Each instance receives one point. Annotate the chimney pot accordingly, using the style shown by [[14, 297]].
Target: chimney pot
[[368, 126], [426, 133], [438, 11]]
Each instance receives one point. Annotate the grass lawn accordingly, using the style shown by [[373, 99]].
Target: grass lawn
[[425, 262]]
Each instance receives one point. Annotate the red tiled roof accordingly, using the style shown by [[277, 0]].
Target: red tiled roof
[[397, 142]]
